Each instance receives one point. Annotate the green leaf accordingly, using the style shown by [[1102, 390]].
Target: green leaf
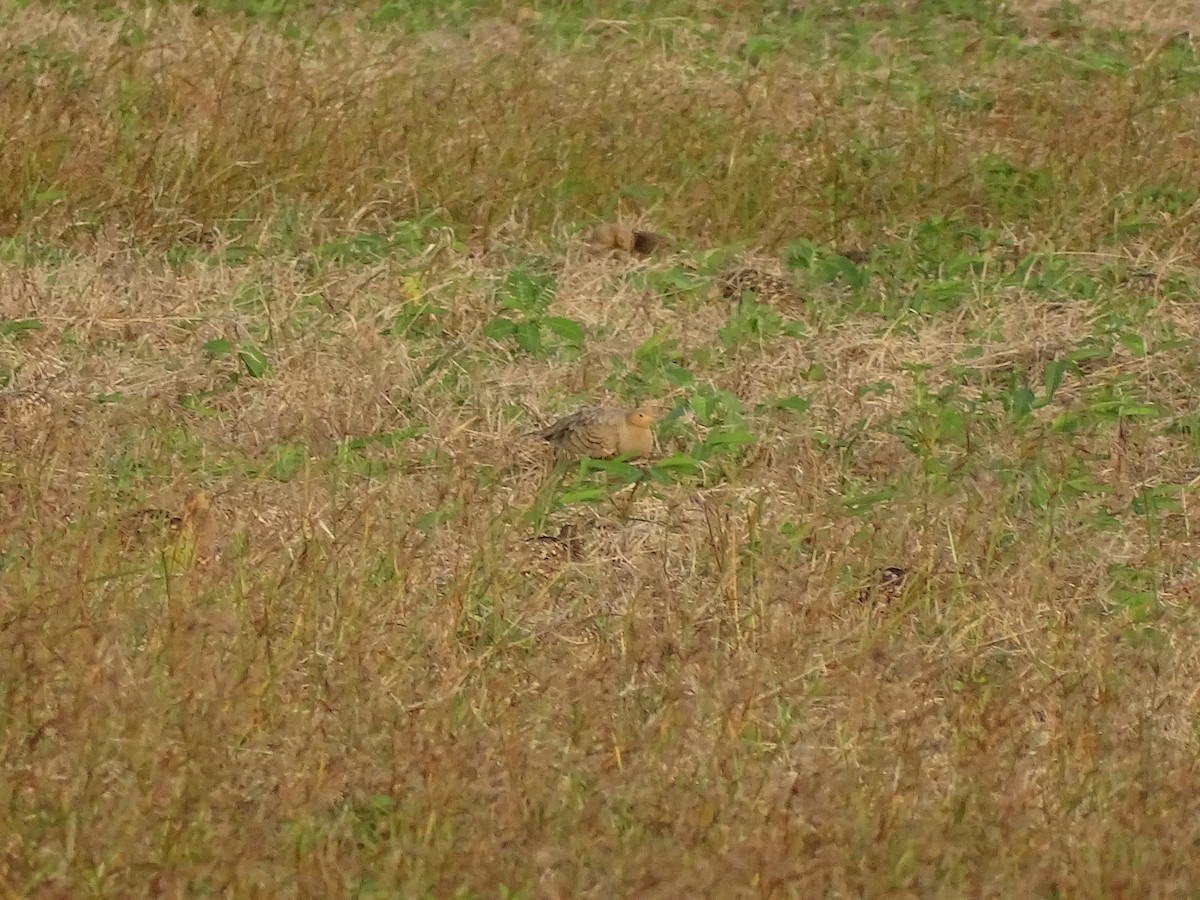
[[523, 290], [254, 360], [568, 329], [289, 459], [673, 281], [1087, 354], [528, 336], [658, 345], [1163, 498], [1022, 401], [797, 329], [422, 319], [1054, 376], [195, 403], [17, 327], [583, 495], [500, 329], [660, 476], [678, 376], [839, 267], [677, 461], [52, 195], [738, 437], [1143, 410], [800, 254], [1135, 343], [794, 403], [218, 348], [389, 439], [618, 467], [858, 504]]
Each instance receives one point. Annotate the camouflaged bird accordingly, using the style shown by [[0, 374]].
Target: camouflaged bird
[[184, 538], [608, 236], [767, 288], [887, 586], [548, 553], [25, 405], [26, 417], [603, 433]]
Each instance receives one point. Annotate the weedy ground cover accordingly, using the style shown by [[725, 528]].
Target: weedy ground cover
[[906, 604]]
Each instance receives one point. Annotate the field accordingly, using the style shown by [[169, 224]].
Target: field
[[904, 605]]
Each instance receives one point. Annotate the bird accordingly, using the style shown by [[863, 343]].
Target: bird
[[27, 416], [24, 405], [602, 432], [550, 552], [887, 586], [184, 538], [607, 236], [766, 287]]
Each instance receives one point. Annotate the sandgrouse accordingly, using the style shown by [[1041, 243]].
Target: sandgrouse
[[187, 536], [603, 432], [607, 236], [766, 287]]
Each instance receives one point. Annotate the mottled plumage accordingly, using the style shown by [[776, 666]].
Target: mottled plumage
[[607, 236], [888, 585], [603, 432], [549, 553], [767, 288], [184, 538], [24, 406]]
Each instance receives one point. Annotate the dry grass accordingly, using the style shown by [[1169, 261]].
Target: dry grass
[[377, 684], [189, 122]]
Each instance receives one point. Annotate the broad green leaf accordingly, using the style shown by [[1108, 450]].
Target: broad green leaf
[[1141, 410], [528, 336], [583, 495], [726, 438], [617, 467], [254, 360], [1054, 376], [17, 327], [565, 328], [1021, 401], [793, 403], [500, 329], [218, 348], [1135, 343], [289, 459]]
